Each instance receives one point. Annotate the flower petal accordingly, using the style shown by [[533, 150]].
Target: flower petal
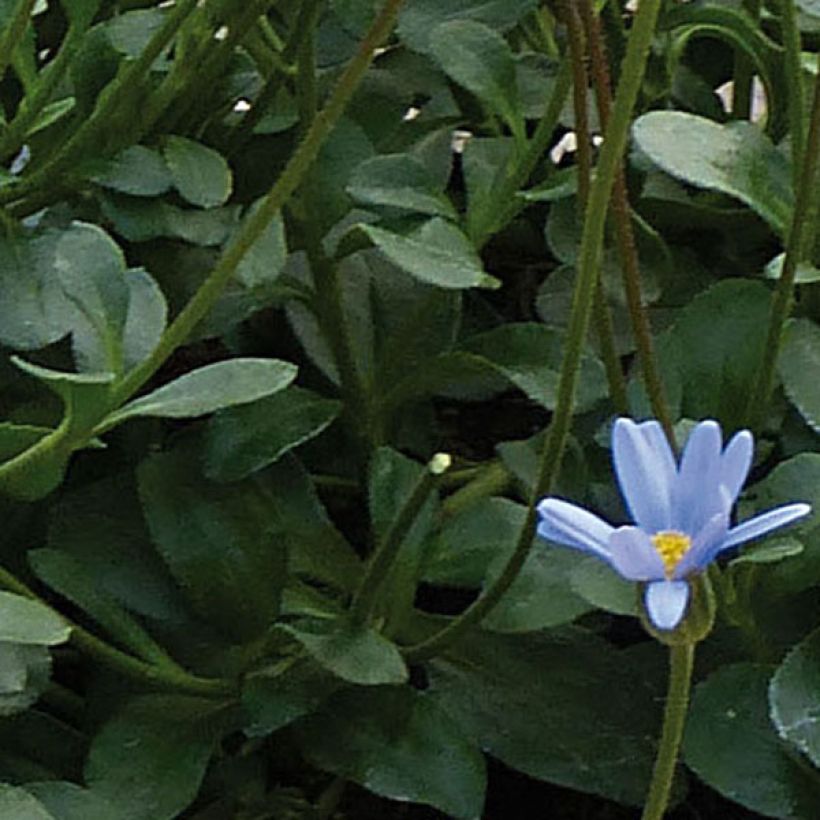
[[705, 545], [634, 555], [573, 526], [735, 462], [646, 471], [766, 522], [666, 602], [697, 498]]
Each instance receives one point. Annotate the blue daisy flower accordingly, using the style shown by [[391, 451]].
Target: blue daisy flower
[[681, 512]]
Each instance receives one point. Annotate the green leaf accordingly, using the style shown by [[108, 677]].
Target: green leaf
[[23, 620], [799, 365], [399, 181], [25, 673], [264, 261], [770, 552], [529, 355], [101, 525], [131, 32], [91, 270], [75, 582], [462, 551], [480, 59], [438, 253], [735, 159], [793, 697], [561, 706], [17, 803], [317, 550], [200, 174], [148, 761], [144, 323], [221, 542], [595, 581], [32, 303], [355, 654], [715, 348], [210, 388], [137, 171], [244, 439], [146, 318], [419, 19], [67, 801], [541, 596], [732, 746], [280, 694], [397, 743]]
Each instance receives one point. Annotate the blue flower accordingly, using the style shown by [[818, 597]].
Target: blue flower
[[681, 512]]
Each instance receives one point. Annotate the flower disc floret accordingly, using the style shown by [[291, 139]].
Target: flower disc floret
[[682, 512]]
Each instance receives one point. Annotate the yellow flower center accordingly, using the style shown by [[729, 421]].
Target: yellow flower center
[[672, 546]]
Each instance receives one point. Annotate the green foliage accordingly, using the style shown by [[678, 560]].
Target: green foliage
[[320, 258]]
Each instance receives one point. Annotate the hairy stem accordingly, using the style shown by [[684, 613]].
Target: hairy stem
[[385, 555], [681, 659], [624, 235], [601, 312]]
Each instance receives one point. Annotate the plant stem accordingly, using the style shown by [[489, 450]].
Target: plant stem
[[681, 658], [505, 204], [48, 80], [13, 33], [290, 178], [632, 73], [624, 235], [168, 677], [385, 555], [784, 291], [601, 312], [492, 479], [330, 312], [794, 84]]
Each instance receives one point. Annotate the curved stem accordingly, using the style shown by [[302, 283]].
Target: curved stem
[[681, 659], [592, 239], [385, 555], [202, 301], [168, 676], [783, 295]]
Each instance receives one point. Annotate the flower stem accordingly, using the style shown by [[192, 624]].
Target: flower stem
[[385, 555], [615, 138], [290, 178], [601, 312], [681, 659], [624, 235], [784, 291]]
